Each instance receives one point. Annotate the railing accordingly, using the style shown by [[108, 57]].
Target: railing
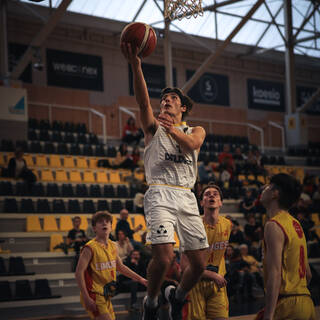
[[130, 110], [90, 112], [283, 140]]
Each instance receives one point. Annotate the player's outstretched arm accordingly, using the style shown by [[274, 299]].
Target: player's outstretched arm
[[82, 266], [274, 240], [123, 269], [148, 121]]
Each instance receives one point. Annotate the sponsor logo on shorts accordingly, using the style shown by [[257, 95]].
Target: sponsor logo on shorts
[[162, 232]]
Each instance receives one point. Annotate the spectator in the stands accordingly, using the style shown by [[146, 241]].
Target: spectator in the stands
[[236, 235], [247, 205], [136, 158], [17, 168], [123, 158], [251, 164], [137, 264], [253, 231], [225, 159], [123, 225], [205, 171], [254, 266], [239, 160], [316, 199], [76, 237], [239, 280], [124, 245], [131, 133]]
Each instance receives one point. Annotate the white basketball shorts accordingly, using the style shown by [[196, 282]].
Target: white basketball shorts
[[168, 209]]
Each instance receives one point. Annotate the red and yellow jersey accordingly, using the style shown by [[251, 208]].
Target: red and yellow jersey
[[218, 239], [294, 257], [102, 267]]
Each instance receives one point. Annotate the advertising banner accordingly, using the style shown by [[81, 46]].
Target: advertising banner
[[155, 77], [210, 89], [265, 95], [303, 95], [74, 70], [13, 104]]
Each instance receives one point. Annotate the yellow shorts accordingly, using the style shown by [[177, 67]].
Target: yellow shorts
[[104, 306], [293, 307], [206, 302]]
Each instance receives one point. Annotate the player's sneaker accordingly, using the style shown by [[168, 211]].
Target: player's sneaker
[[175, 306], [149, 313]]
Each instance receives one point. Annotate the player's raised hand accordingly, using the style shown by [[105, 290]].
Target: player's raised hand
[[166, 121], [130, 52]]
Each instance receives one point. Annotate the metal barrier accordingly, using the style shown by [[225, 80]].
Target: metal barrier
[[90, 112]]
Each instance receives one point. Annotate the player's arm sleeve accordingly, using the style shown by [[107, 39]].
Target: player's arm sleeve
[[274, 239]]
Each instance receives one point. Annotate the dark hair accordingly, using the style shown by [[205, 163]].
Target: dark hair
[[101, 215], [185, 100], [209, 186], [289, 189]]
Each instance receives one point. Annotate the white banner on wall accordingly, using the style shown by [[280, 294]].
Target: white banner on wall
[[14, 105]]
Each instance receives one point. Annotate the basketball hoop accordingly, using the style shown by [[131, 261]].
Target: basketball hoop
[[178, 9]]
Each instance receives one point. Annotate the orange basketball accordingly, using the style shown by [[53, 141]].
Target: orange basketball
[[141, 35]]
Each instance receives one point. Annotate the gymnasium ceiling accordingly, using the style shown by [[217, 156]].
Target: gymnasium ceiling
[[264, 31]]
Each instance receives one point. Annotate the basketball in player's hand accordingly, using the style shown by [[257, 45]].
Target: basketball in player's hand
[[141, 36]]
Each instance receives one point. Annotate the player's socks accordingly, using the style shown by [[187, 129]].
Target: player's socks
[[152, 303]]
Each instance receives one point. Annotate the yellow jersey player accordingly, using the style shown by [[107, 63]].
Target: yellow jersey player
[[96, 270], [208, 299], [285, 263]]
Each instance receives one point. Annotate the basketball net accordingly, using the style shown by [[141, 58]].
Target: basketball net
[[178, 9]]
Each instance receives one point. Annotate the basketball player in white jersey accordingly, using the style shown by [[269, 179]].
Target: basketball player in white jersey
[[170, 160]]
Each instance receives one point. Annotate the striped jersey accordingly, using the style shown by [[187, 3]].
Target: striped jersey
[[294, 256], [166, 164], [102, 267]]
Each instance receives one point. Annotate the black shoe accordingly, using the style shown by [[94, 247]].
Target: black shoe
[[175, 306], [149, 313]]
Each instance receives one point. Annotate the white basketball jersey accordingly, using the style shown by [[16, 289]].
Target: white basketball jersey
[[166, 164]]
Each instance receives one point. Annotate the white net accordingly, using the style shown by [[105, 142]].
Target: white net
[[178, 9]]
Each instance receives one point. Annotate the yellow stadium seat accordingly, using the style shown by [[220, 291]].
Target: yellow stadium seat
[[68, 162], [84, 223], [251, 177], [55, 239], [176, 239], [49, 224], [102, 177], [88, 177], [46, 175], [35, 172], [139, 175], [61, 176], [2, 160], [139, 219], [33, 224], [124, 173], [29, 160], [114, 176], [41, 160], [65, 223], [82, 163], [55, 161], [114, 222], [93, 163], [315, 219], [261, 179], [75, 176], [242, 177]]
